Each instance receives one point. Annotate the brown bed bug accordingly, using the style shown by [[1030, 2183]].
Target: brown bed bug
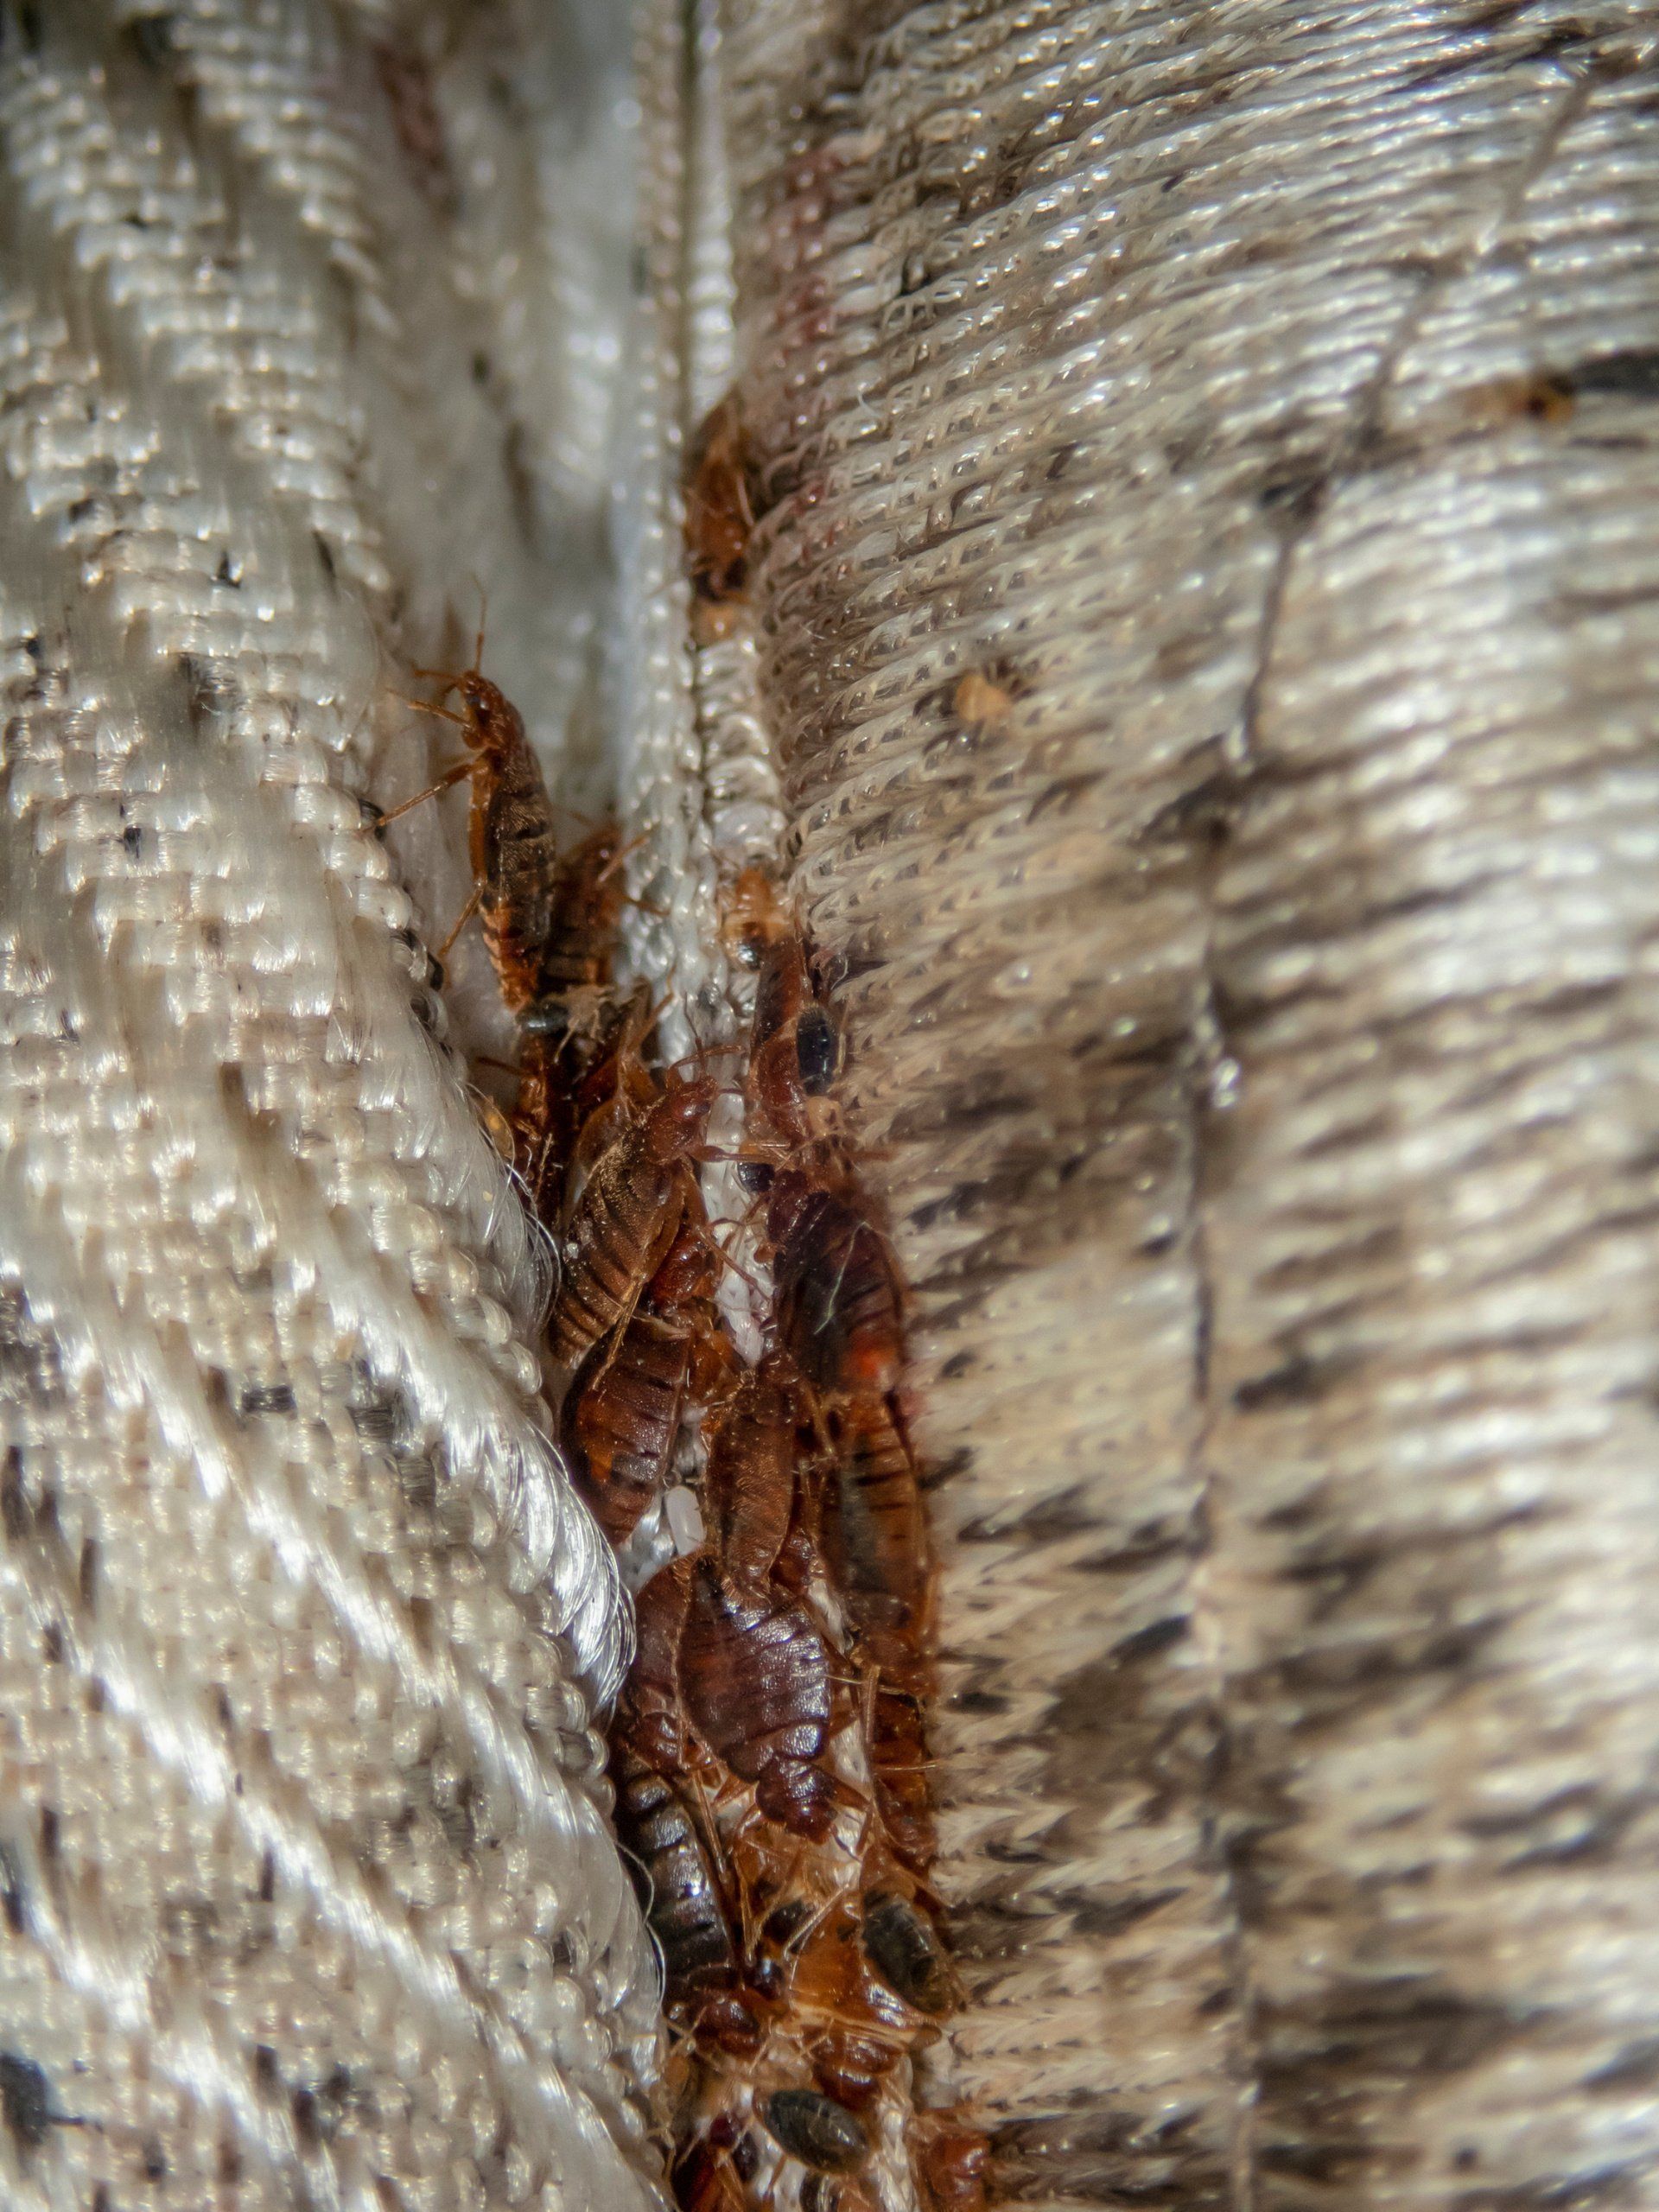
[[578, 1042], [837, 1297], [753, 917], [953, 2160], [837, 1303], [986, 696], [650, 1712], [794, 1044], [855, 2026], [549, 920], [719, 518], [622, 1420], [749, 1483], [610, 1088], [754, 1675], [684, 1900], [897, 1748], [628, 1214], [542, 1126], [573, 975], [874, 1532], [511, 836], [705, 2179]]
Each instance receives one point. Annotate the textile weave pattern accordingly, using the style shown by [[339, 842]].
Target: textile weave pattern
[[308, 1894], [1206, 584]]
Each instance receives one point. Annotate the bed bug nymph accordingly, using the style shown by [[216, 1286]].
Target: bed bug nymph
[[627, 1217], [719, 518], [513, 849]]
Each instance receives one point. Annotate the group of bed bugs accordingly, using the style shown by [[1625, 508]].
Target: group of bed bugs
[[768, 1752]]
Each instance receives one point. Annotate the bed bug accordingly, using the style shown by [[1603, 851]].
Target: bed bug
[[754, 1675], [753, 916], [543, 1125], [795, 1054], [580, 1044], [704, 2179], [650, 1713], [953, 2160], [897, 1747], [749, 1482], [549, 920], [901, 1944], [621, 1419], [628, 1214], [856, 2024], [718, 517], [985, 697], [684, 1902], [874, 1532], [837, 1298], [573, 974], [610, 1087], [511, 836], [683, 1291], [794, 1044], [817, 2130]]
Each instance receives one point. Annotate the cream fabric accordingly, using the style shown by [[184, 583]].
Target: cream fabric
[[309, 1896]]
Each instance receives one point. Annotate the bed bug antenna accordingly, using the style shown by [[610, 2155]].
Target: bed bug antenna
[[448, 678]]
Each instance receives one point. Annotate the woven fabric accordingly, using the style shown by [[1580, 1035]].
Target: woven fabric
[[1203, 616], [308, 1894], [1205, 583]]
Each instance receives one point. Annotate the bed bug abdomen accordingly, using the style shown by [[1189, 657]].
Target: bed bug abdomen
[[755, 1678], [682, 1898], [817, 2131], [907, 1954]]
